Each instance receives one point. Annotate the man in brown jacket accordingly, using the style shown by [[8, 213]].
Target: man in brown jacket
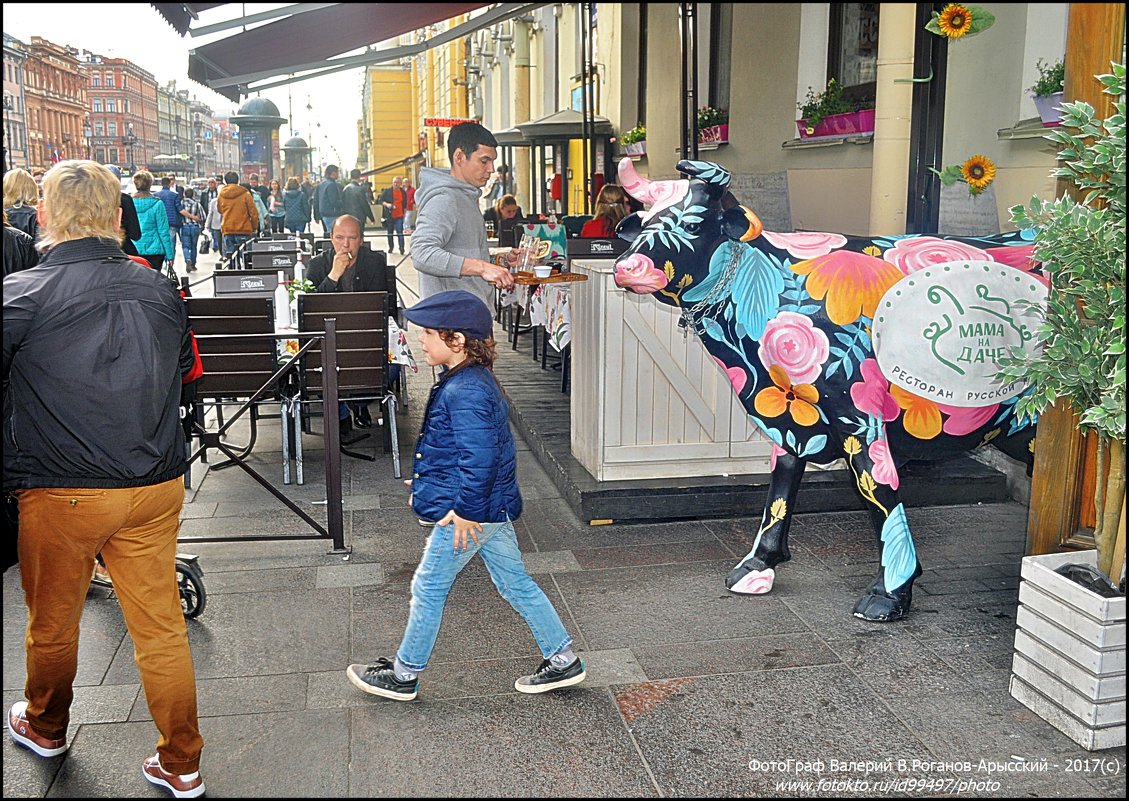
[[240, 218]]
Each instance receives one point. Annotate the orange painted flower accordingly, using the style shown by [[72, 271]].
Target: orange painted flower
[[955, 21], [922, 418], [853, 283], [798, 400]]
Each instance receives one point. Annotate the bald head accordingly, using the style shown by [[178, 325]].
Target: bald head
[[348, 223], [346, 236]]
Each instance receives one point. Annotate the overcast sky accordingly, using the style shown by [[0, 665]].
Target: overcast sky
[[136, 31]]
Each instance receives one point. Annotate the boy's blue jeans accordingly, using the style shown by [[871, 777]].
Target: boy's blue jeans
[[436, 574]]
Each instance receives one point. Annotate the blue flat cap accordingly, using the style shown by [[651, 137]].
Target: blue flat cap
[[455, 310]]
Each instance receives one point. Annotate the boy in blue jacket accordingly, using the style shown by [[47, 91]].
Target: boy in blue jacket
[[465, 483]]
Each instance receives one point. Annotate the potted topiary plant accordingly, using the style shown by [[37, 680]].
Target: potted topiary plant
[[1047, 91], [635, 141], [713, 125], [1070, 645], [829, 113]]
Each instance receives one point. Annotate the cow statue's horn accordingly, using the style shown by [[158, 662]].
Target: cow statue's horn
[[633, 183]]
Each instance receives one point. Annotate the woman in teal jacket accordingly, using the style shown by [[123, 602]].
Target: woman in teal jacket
[[155, 244]]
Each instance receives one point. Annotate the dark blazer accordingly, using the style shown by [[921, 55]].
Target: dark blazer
[[372, 274]]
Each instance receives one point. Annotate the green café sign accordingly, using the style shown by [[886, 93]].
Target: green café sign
[[941, 332]]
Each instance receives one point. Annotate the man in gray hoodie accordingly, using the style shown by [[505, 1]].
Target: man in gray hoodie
[[449, 244]]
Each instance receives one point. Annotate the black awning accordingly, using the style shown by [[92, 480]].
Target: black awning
[[180, 15], [309, 38], [566, 124], [420, 156]]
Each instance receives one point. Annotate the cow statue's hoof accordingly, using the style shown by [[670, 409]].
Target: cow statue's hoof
[[881, 606], [884, 608], [749, 581]]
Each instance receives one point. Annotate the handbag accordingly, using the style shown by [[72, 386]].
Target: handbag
[[205, 242]]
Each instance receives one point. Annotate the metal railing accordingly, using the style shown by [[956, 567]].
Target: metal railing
[[332, 437]]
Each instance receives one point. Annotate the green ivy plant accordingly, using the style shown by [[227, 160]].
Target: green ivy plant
[[1052, 78], [636, 134], [1082, 249], [830, 101]]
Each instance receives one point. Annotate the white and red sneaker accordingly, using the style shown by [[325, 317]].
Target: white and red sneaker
[[188, 785], [22, 732]]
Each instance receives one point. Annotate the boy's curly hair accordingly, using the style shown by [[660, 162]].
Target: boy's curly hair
[[478, 351]]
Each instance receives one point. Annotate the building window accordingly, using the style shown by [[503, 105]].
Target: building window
[[852, 53], [110, 106], [114, 156], [642, 97], [720, 54], [111, 128], [100, 156], [109, 79], [97, 104], [99, 128], [95, 79]]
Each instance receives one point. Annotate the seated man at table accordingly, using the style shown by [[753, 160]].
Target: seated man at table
[[346, 266]]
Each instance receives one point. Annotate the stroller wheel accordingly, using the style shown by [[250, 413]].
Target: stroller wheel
[[190, 582]]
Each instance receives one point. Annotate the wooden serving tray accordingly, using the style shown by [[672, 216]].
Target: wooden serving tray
[[527, 277]]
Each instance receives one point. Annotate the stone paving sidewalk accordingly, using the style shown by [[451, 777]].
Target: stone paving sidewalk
[[692, 691]]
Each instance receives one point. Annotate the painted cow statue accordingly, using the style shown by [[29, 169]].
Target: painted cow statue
[[791, 318]]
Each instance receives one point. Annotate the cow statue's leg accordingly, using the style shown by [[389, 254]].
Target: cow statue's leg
[[756, 572], [891, 593]]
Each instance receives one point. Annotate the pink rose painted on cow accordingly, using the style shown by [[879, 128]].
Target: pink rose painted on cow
[[806, 244], [917, 253], [639, 274], [793, 342]]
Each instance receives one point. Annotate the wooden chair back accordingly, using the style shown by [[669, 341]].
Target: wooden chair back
[[233, 367]]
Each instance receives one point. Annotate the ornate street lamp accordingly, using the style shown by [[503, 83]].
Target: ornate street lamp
[[129, 140], [86, 133]]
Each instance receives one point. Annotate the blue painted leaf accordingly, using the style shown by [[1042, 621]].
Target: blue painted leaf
[[772, 434], [830, 371], [713, 329], [756, 290], [846, 339], [790, 438], [717, 267], [815, 444], [899, 557], [848, 369]]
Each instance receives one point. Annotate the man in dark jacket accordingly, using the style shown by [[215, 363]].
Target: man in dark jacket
[[356, 199], [95, 347], [330, 202], [19, 249], [173, 206], [346, 266]]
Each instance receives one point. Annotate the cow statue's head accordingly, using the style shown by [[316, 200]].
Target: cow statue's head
[[674, 240]]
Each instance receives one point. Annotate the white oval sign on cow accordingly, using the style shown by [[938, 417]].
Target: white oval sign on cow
[[941, 332]]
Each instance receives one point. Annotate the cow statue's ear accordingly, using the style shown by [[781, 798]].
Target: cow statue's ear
[[741, 224], [630, 226]]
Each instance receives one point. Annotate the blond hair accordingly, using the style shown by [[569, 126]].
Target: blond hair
[[81, 199], [143, 180], [503, 201], [20, 187]]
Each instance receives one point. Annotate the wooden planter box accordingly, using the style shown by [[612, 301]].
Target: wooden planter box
[[853, 123], [1069, 663]]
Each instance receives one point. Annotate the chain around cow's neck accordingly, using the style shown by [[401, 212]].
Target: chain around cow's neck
[[718, 293]]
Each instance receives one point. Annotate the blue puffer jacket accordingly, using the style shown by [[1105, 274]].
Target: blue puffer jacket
[[466, 459]]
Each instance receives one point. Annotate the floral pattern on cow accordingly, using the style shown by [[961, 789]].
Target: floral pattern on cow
[[789, 317]]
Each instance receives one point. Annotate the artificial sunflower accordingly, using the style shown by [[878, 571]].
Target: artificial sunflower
[[955, 21], [978, 172]]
